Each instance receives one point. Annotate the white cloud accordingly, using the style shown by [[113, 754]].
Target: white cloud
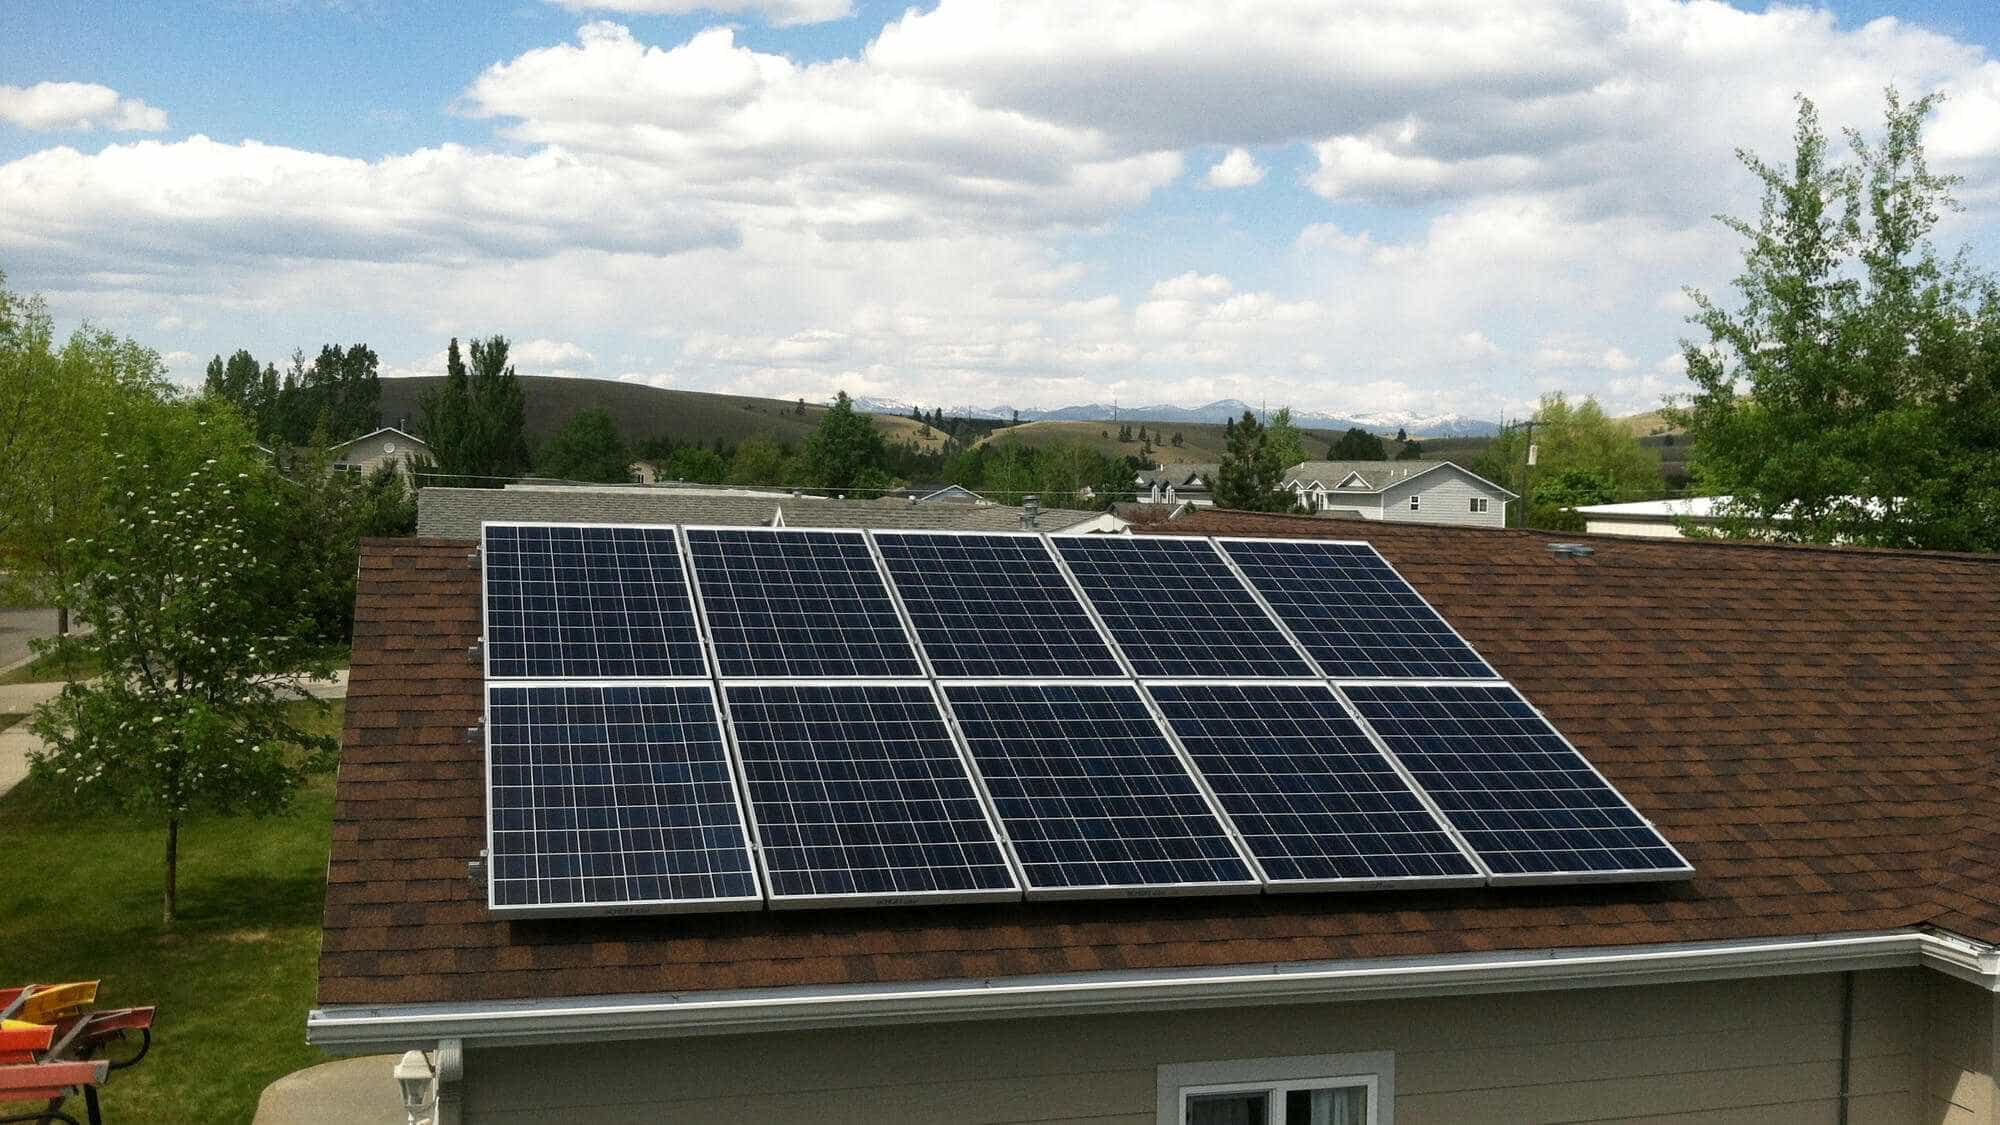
[[49, 106], [1238, 169], [781, 13], [946, 216]]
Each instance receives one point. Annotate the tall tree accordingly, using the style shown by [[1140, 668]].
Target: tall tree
[[64, 415], [192, 621], [1358, 444], [1287, 441], [1853, 395], [1570, 438], [588, 448], [1250, 473], [845, 451], [476, 424]]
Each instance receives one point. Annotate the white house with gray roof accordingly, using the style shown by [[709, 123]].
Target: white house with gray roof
[[1400, 491]]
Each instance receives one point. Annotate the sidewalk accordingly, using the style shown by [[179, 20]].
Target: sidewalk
[[16, 741], [359, 1090]]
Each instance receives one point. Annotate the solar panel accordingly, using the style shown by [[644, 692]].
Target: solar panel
[[1091, 793], [993, 606], [1316, 802], [797, 603], [611, 797], [569, 601], [1351, 610], [1176, 608], [1526, 801], [858, 794]]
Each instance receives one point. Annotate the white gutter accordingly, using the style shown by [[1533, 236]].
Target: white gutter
[[743, 1011]]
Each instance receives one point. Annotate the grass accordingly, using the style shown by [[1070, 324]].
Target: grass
[[643, 412], [52, 668], [234, 979]]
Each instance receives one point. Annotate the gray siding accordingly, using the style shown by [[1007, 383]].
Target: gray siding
[[1958, 1054], [1446, 494], [1765, 1051]]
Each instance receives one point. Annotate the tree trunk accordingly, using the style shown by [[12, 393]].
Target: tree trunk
[[62, 621], [173, 865]]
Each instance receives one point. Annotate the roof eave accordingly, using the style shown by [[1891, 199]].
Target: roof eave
[[357, 1028]]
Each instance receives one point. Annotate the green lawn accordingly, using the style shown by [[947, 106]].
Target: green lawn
[[81, 900], [52, 668]]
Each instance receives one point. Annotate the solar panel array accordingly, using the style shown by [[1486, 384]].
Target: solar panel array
[[719, 718]]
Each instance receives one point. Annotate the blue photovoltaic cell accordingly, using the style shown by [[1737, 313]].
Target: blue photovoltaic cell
[[1090, 792], [1354, 613], [857, 790], [994, 606], [1177, 609], [1521, 796], [601, 796], [1310, 794], [570, 602], [797, 603]]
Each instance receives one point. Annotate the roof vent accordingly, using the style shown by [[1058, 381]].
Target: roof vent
[[1031, 510], [1573, 550]]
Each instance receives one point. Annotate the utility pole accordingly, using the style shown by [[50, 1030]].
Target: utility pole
[[1528, 473]]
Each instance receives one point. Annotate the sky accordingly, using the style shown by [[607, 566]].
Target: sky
[[1391, 206]]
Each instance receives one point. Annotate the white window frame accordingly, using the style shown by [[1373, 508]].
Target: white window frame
[[1416, 501], [1375, 1070], [1479, 504]]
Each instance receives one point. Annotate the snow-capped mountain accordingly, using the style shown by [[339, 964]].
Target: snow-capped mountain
[[1221, 410]]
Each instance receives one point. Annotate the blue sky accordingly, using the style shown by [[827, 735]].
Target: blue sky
[[1433, 210]]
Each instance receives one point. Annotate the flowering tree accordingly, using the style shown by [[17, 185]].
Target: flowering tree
[[194, 627]]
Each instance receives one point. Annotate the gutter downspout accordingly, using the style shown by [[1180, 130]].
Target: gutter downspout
[[1846, 1041]]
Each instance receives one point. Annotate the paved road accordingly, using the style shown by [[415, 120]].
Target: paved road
[[18, 627]]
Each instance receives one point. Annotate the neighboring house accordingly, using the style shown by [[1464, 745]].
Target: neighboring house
[[456, 513], [1817, 730], [942, 494], [386, 446], [1399, 491], [1191, 483]]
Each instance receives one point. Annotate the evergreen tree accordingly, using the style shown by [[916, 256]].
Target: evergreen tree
[[1250, 474], [1358, 444]]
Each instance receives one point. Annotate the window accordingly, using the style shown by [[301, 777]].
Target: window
[[1303, 1090], [1416, 503], [1478, 503]]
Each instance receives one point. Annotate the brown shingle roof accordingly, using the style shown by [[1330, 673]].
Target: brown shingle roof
[[1815, 729]]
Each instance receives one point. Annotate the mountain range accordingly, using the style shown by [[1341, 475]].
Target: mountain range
[[1221, 410]]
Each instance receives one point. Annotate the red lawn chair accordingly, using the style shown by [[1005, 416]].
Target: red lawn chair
[[47, 1042]]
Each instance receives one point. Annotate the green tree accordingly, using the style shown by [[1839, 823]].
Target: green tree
[[845, 452], [476, 424], [694, 463], [1557, 495], [1358, 444], [1250, 473], [63, 414], [1571, 437], [759, 460], [1287, 441], [193, 623], [1854, 393], [1411, 451], [589, 448]]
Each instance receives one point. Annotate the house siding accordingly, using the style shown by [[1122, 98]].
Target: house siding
[[1759, 1050], [1446, 494]]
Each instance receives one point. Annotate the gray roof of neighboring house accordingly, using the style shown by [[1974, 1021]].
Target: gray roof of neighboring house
[[1179, 473], [1378, 474], [377, 433], [455, 513]]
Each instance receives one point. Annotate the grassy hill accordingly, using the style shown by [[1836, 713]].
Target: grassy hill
[[1200, 441], [643, 412]]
